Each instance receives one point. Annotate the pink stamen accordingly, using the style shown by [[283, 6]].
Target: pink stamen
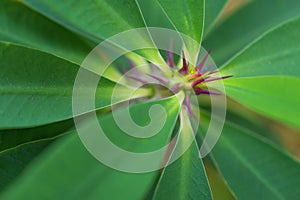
[[205, 69], [175, 88], [199, 67], [213, 72], [199, 91], [184, 69], [170, 60], [192, 76], [198, 81], [135, 78], [215, 79], [160, 79], [188, 105], [131, 64]]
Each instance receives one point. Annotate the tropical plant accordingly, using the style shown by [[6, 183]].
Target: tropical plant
[[255, 47]]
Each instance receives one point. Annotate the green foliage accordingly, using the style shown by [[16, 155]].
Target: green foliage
[[247, 24], [241, 154], [42, 82], [22, 26], [42, 44], [61, 173], [185, 178]]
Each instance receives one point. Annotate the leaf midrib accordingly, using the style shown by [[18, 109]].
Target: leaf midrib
[[116, 15], [70, 25], [251, 169], [272, 57], [188, 16], [257, 93], [255, 40]]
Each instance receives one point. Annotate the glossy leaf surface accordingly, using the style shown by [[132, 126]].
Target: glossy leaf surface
[[50, 176], [21, 25], [185, 178], [37, 88], [239, 30], [266, 74]]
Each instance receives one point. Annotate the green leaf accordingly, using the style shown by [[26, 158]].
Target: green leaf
[[98, 20], [186, 177], [266, 74], [36, 88], [212, 11], [276, 53], [251, 120], [24, 26], [253, 167], [219, 188], [273, 96], [12, 138], [14, 161], [154, 14], [244, 26], [141, 115], [67, 171], [21, 25], [88, 18], [178, 16], [186, 15], [58, 174]]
